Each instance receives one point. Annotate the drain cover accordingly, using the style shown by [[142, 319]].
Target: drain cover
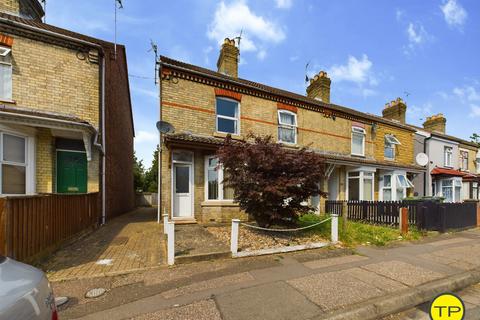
[[95, 293]]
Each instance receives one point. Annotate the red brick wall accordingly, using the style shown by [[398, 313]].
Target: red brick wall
[[120, 196]]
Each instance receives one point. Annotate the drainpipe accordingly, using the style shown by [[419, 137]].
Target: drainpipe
[[428, 165], [102, 70], [159, 189]]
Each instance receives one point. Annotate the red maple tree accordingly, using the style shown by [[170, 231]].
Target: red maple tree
[[271, 183]]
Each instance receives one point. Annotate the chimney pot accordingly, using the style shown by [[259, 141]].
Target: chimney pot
[[319, 87], [436, 122]]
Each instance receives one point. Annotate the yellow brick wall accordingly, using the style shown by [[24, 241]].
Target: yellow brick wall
[[51, 78], [404, 154], [472, 155], [9, 6]]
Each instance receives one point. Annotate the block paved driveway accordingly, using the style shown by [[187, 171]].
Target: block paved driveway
[[133, 241], [304, 285]]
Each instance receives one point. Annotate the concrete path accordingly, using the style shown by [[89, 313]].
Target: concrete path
[[127, 243], [307, 285], [195, 242]]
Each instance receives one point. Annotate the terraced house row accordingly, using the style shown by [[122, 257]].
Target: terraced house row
[[368, 157]]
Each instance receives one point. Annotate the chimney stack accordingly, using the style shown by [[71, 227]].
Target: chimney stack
[[435, 123], [319, 87], [228, 60], [395, 110]]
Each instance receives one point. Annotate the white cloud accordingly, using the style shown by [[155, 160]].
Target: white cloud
[[417, 36], [145, 136], [262, 54], [468, 93], [230, 19], [399, 14], [355, 70], [420, 112], [284, 4], [293, 58], [145, 92], [474, 111], [453, 12]]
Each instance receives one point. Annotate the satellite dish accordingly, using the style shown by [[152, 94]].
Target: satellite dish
[[165, 127], [422, 159]]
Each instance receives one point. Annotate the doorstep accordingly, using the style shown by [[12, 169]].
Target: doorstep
[[184, 221]]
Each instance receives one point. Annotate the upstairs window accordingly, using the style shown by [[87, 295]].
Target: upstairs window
[[287, 127], [448, 155], [358, 141], [390, 143], [464, 160], [227, 116], [5, 74]]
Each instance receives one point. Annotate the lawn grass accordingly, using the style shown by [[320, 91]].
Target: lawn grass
[[359, 233]]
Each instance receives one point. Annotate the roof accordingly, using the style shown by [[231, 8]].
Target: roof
[[215, 142], [168, 62], [447, 172], [50, 28], [447, 137], [42, 114]]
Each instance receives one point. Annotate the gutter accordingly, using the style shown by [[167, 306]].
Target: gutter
[[102, 70]]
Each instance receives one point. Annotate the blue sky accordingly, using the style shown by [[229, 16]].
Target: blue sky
[[374, 51]]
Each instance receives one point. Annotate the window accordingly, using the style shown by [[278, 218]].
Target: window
[[402, 185], [13, 164], [475, 190], [464, 160], [448, 151], [215, 189], [387, 188], [390, 142], [358, 141], [287, 127], [227, 116], [5, 74], [452, 190], [360, 185]]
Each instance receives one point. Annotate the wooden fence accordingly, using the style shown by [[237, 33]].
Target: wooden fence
[[33, 225]]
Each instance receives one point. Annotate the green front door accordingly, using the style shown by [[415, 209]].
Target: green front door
[[71, 172]]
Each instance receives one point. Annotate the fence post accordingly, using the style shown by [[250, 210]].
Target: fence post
[[234, 236], [344, 216], [334, 228], [403, 220], [165, 223], [171, 243]]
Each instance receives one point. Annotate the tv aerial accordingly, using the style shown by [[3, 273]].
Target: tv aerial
[[154, 49], [306, 72], [239, 38]]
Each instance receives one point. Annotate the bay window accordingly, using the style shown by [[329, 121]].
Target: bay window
[[394, 186], [5, 74], [451, 189], [390, 143], [214, 176], [360, 185], [227, 111], [464, 160], [287, 127], [448, 154], [475, 190], [358, 141]]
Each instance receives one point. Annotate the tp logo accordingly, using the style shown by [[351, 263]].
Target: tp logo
[[447, 306]]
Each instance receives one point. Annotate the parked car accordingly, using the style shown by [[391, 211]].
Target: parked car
[[25, 292]]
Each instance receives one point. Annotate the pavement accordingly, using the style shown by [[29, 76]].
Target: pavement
[[315, 284], [128, 243], [470, 297]]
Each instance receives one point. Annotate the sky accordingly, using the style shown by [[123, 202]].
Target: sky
[[426, 52]]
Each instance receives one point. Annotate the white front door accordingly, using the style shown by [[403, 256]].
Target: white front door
[[182, 190]]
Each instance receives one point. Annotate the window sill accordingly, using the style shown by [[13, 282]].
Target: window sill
[[389, 159], [7, 101], [357, 155], [289, 145], [224, 135], [219, 203]]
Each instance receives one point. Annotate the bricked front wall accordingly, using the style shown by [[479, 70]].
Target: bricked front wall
[[190, 106]]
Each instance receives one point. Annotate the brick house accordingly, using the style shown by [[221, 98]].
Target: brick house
[[367, 157], [454, 164], [66, 123]]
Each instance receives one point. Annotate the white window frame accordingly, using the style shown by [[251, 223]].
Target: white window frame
[[448, 157], [192, 179], [5, 52], [390, 142], [464, 160], [287, 126], [395, 184], [475, 186], [361, 177], [220, 181], [456, 183], [29, 161], [236, 119], [358, 130]]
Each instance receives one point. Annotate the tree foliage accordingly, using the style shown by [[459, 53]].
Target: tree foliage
[[138, 174], [270, 182], [475, 138], [151, 175]]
